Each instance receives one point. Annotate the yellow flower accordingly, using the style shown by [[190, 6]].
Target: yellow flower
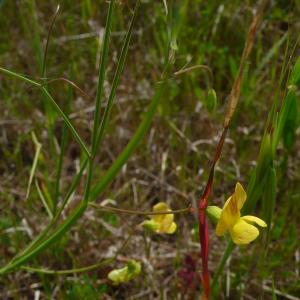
[[240, 228], [123, 275], [161, 223]]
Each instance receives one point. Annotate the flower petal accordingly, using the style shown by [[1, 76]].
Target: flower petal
[[119, 275], [172, 228], [255, 220], [165, 223], [222, 227], [229, 216], [243, 232], [240, 196], [161, 206]]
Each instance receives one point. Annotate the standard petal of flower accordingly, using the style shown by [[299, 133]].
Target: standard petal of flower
[[240, 196], [172, 228], [243, 232], [161, 206], [229, 216], [255, 220]]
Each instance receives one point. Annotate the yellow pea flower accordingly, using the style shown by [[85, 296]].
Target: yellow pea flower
[[123, 275], [161, 223], [240, 228]]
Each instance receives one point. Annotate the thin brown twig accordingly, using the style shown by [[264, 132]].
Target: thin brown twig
[[65, 80], [192, 68], [142, 213]]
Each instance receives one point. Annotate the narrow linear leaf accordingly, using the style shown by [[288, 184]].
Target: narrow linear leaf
[[20, 77], [283, 115], [116, 80], [38, 147], [44, 200], [268, 200], [295, 75], [102, 68]]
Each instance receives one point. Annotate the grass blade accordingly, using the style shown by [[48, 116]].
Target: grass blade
[[20, 77], [38, 147], [102, 68], [43, 198], [116, 81], [268, 200]]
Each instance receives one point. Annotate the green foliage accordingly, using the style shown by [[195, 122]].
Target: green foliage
[[89, 141]]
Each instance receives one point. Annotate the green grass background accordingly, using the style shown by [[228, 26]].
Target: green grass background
[[172, 162]]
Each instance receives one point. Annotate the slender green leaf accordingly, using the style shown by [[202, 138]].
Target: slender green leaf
[[291, 125], [20, 77], [285, 111], [38, 147], [295, 75], [102, 68], [116, 80], [268, 200], [44, 200]]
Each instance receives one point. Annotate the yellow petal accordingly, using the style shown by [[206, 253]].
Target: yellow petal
[[172, 228], [239, 195], [165, 222], [229, 216], [161, 206], [243, 232], [118, 275], [222, 227], [255, 220], [231, 210]]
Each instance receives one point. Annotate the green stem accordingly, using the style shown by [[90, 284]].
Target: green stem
[[70, 271], [21, 77], [228, 251]]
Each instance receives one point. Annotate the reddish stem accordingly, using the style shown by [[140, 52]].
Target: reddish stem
[[203, 226]]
